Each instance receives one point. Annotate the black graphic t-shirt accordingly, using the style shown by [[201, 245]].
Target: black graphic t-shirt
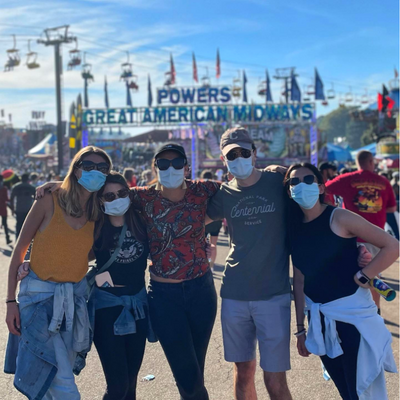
[[257, 267], [129, 267]]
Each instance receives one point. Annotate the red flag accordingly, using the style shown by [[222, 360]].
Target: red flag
[[380, 105], [195, 77], [173, 73], [218, 68]]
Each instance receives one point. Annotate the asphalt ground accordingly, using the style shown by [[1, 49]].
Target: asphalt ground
[[305, 379]]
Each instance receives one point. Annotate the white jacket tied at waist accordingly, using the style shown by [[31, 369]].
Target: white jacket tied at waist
[[375, 352]]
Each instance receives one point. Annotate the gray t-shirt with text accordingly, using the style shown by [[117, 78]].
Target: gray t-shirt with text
[[257, 267]]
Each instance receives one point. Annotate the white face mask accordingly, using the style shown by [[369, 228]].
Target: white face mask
[[241, 168], [117, 207], [171, 178]]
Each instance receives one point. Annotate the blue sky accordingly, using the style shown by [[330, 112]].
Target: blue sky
[[354, 44]]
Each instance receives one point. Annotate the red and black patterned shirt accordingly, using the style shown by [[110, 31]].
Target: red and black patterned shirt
[[176, 229]]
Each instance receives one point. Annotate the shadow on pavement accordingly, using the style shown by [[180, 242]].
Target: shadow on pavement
[[6, 252]]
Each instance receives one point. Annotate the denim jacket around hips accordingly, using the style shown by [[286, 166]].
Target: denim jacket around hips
[[45, 308]]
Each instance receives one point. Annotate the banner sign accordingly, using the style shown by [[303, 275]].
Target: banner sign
[[170, 115]]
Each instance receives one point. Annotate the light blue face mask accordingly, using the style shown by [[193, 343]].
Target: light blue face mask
[[171, 178], [92, 181], [241, 168], [306, 196]]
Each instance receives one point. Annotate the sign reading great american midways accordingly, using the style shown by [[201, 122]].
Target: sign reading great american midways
[[174, 115]]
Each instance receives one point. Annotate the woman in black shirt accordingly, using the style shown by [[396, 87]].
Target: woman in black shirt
[[120, 299], [323, 243]]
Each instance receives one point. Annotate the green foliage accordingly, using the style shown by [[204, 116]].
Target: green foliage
[[368, 136], [338, 123]]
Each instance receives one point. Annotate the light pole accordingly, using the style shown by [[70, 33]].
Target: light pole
[[56, 37]]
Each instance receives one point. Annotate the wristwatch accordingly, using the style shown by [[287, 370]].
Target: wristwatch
[[362, 277]]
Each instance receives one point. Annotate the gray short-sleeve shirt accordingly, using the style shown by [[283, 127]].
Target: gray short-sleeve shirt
[[257, 267]]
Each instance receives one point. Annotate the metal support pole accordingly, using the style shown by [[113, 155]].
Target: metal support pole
[[58, 101]]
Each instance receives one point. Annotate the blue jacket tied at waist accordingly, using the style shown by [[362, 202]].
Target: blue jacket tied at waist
[[133, 309], [45, 309]]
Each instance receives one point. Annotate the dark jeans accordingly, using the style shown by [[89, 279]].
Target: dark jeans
[[183, 316], [343, 369], [120, 356], [20, 216], [5, 226]]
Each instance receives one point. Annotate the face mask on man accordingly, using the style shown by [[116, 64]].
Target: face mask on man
[[240, 168], [92, 181], [171, 178], [117, 207], [306, 196]]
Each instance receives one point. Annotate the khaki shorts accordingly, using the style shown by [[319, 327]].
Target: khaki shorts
[[268, 321]]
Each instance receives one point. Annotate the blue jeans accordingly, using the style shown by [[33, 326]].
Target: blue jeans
[[183, 316]]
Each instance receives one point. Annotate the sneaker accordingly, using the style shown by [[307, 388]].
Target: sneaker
[[9, 241]]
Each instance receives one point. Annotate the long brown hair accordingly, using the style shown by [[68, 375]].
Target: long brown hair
[[70, 193], [133, 217]]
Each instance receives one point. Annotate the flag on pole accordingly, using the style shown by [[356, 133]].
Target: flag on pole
[[149, 94], [106, 93], [173, 72], [295, 94], [128, 95], [218, 67], [195, 77], [10, 118], [86, 95], [244, 87], [2, 113], [268, 92], [396, 73], [319, 87]]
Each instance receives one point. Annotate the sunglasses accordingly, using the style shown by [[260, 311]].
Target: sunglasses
[[308, 179], [163, 164], [87, 165], [111, 196], [235, 153]]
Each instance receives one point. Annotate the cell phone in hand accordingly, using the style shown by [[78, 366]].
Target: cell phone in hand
[[104, 280]]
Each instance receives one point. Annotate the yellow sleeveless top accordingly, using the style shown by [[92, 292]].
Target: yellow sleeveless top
[[60, 253]]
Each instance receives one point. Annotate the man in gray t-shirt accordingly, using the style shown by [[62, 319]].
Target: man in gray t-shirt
[[255, 287]]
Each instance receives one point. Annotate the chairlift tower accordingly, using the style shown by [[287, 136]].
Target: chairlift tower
[[56, 37], [285, 74]]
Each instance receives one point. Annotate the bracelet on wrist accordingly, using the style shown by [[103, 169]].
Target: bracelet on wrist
[[11, 301], [300, 333]]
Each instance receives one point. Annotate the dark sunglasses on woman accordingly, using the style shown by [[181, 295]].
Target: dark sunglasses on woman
[[111, 196], [88, 166], [163, 164], [239, 152], [308, 179]]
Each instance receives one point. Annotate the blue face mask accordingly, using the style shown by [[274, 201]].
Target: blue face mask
[[240, 168], [92, 181], [171, 178], [306, 196]]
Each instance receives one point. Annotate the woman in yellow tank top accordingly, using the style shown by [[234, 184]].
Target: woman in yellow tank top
[[51, 317]]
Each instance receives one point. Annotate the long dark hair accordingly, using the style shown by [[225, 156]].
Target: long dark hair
[[295, 212], [133, 218]]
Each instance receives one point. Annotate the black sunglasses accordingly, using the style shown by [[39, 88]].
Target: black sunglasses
[[308, 179], [163, 164], [239, 152], [111, 196], [87, 165]]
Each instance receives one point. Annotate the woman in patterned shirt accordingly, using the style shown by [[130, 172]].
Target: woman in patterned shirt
[[182, 297]]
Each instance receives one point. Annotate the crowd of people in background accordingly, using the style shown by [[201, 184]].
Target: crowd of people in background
[[120, 216]]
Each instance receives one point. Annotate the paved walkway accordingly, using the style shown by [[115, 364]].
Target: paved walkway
[[305, 378]]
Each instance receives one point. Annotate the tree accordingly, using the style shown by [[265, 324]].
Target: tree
[[333, 125], [354, 131], [369, 135]]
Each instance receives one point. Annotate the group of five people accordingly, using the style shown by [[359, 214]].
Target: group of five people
[[93, 214]]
